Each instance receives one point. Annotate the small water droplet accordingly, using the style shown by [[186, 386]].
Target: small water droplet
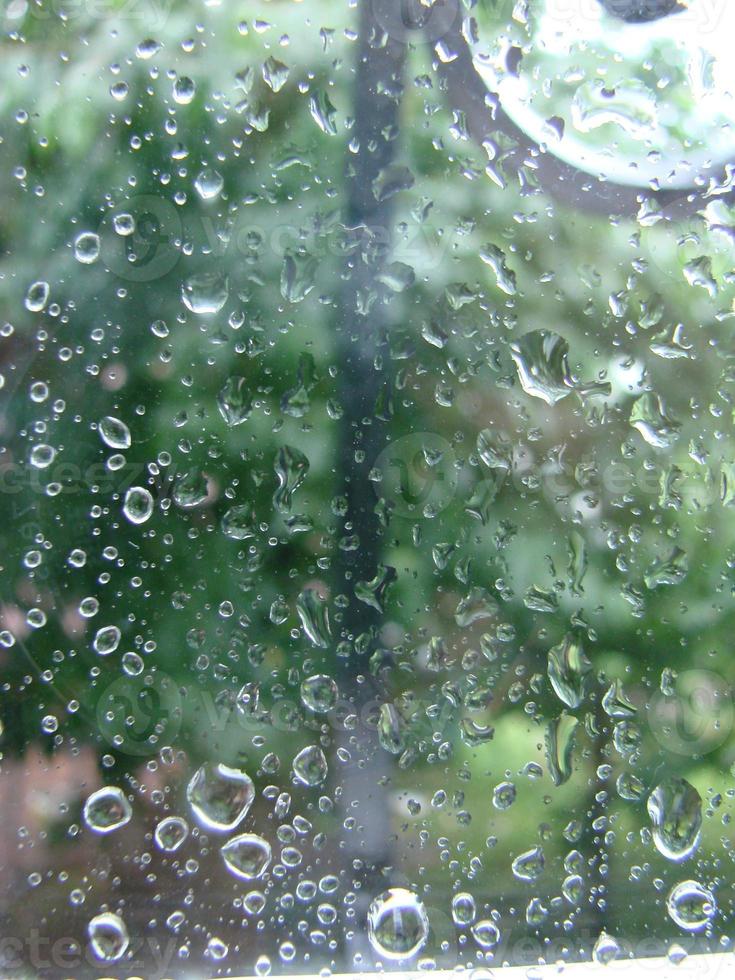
[[170, 833]]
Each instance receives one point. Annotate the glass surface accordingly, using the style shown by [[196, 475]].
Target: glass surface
[[367, 474]]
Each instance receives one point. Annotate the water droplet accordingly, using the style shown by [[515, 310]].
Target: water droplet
[[651, 418], [319, 693], [505, 278], [235, 401], [238, 523], [310, 766], [675, 811], [108, 937], [541, 359], [138, 505], [291, 467], [691, 905], [464, 909], [184, 90], [106, 810], [209, 184], [298, 275], [568, 668], [170, 833], [504, 796], [323, 112], [606, 949], [87, 247], [114, 433], [219, 796], [314, 615], [398, 926], [205, 293], [37, 296], [190, 489], [247, 856], [392, 180], [42, 456], [119, 91], [275, 74], [529, 865], [559, 742], [124, 224], [147, 49], [106, 640], [217, 949], [486, 934]]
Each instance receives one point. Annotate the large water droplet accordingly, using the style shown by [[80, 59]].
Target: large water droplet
[[291, 467], [606, 949], [247, 856], [106, 810], [314, 615], [184, 90], [42, 456], [464, 909], [529, 865], [275, 73], [37, 296], [106, 640], [541, 359], [319, 693], [238, 523], [235, 401], [323, 112], [205, 293], [691, 905], [219, 796], [650, 417], [398, 926], [486, 934], [87, 247], [138, 505], [209, 184], [675, 809], [108, 937], [310, 766], [567, 669], [114, 433], [190, 489]]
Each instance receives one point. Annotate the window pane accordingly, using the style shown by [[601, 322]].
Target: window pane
[[367, 479]]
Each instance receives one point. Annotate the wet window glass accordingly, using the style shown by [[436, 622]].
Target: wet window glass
[[367, 474]]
